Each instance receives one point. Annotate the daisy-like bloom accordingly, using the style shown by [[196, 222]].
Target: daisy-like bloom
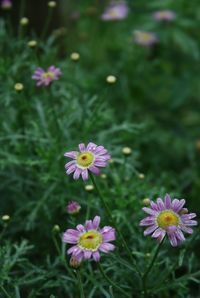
[[73, 207], [146, 39], [90, 157], [44, 78], [89, 240], [168, 217], [117, 10], [6, 4], [164, 15]]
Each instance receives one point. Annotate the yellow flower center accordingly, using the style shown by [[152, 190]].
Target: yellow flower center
[[144, 36], [85, 159], [167, 218], [48, 74], [113, 13], [90, 240]]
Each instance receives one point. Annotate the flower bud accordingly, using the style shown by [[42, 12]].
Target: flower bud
[[75, 56], [73, 207], [74, 263], [32, 43], [126, 150], [5, 217], [24, 21], [19, 87], [89, 187], [103, 176], [146, 202], [141, 176], [52, 4], [111, 79], [56, 229]]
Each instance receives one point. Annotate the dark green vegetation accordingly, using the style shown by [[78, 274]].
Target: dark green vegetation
[[153, 108]]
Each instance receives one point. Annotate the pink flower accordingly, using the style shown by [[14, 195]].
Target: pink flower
[[90, 157], [89, 240], [164, 15], [169, 218], [146, 39], [6, 4], [73, 207], [44, 78], [117, 10]]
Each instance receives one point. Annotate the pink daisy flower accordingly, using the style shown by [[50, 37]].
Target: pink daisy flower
[[169, 218], [164, 15], [146, 39], [44, 78], [89, 240], [117, 10], [90, 157], [73, 207]]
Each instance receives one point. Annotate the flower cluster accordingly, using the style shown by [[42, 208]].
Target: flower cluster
[[169, 218], [89, 240]]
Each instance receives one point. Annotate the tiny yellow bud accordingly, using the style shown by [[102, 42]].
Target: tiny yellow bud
[[32, 43], [56, 229], [5, 217], [126, 150], [19, 87], [111, 160], [89, 187], [146, 202], [24, 21], [75, 56], [141, 176], [111, 79], [52, 4], [103, 176]]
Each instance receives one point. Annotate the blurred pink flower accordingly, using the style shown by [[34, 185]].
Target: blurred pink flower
[[6, 4], [44, 78], [146, 39], [73, 207], [117, 10], [164, 15]]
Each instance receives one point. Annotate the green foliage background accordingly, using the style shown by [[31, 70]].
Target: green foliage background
[[153, 108]]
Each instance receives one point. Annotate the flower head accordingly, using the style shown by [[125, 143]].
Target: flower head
[[90, 157], [44, 78], [164, 15], [146, 39], [89, 240], [73, 207], [32, 43], [52, 4], [24, 21], [6, 4], [117, 10], [168, 217]]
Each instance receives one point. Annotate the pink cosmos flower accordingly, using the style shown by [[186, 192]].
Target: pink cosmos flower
[[44, 78], [117, 10], [6, 4], [146, 39], [169, 218], [90, 157], [164, 15], [73, 207], [89, 240]]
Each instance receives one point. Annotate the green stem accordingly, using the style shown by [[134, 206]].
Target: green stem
[[113, 223], [111, 282], [144, 277], [5, 292], [48, 20], [80, 284]]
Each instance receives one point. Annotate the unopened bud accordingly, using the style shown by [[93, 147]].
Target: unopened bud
[[75, 56], [56, 229], [24, 21], [52, 4], [146, 202], [5, 217], [89, 187], [111, 79], [74, 263], [19, 87], [126, 150]]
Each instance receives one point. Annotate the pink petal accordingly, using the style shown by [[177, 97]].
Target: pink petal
[[94, 170], [80, 228], [71, 154], [87, 254], [147, 221], [149, 211], [96, 256], [150, 230], [70, 163], [82, 147], [172, 239], [160, 204], [106, 247], [84, 174], [71, 169], [96, 222], [89, 225], [77, 174], [168, 201]]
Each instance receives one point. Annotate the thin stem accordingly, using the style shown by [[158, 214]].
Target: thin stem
[[5, 292], [80, 284], [48, 20], [114, 224], [111, 282], [144, 277]]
